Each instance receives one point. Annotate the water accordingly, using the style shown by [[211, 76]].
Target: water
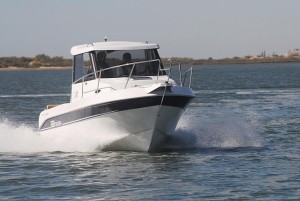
[[239, 140]]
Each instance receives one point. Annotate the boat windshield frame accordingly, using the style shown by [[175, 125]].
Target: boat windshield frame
[[146, 62]]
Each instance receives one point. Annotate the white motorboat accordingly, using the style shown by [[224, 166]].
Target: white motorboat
[[120, 86]]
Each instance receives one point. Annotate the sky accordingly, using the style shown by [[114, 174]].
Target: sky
[[196, 29]]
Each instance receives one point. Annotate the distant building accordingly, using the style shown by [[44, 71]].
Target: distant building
[[293, 53], [255, 57]]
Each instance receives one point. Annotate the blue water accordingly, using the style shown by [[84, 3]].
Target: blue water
[[239, 140]]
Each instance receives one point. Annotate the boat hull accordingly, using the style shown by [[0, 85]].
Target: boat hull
[[142, 129], [137, 123]]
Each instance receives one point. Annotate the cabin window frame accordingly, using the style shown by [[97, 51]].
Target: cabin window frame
[[83, 64]]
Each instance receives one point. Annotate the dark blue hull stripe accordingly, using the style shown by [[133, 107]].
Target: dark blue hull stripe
[[116, 106]]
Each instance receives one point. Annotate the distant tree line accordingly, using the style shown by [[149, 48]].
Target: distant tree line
[[45, 60], [234, 60], [38, 61]]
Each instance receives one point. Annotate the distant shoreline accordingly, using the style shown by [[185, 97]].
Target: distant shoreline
[[14, 68], [216, 62], [44, 62], [197, 62]]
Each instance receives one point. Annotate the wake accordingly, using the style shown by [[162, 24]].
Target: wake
[[220, 131], [25, 139], [223, 130]]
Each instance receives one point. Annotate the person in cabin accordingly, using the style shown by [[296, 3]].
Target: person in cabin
[[127, 60], [101, 64]]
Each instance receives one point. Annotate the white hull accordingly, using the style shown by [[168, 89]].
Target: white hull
[[143, 129]]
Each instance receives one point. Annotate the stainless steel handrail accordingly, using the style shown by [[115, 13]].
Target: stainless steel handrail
[[183, 74], [114, 67], [133, 64]]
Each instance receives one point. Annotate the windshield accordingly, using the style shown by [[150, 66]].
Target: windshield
[[88, 65], [106, 59]]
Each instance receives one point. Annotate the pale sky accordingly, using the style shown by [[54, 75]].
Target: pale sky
[[183, 28]]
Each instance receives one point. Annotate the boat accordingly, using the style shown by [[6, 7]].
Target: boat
[[122, 92]]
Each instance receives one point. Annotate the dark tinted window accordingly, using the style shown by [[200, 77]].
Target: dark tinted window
[[82, 68], [115, 58]]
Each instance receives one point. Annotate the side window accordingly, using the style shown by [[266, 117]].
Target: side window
[[87, 63], [78, 68], [153, 67], [82, 68], [158, 64]]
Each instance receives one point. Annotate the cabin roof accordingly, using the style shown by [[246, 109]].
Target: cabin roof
[[112, 45]]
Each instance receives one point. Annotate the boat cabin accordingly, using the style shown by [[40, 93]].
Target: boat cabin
[[115, 59]]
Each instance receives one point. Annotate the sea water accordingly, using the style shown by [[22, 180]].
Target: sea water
[[238, 140]]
